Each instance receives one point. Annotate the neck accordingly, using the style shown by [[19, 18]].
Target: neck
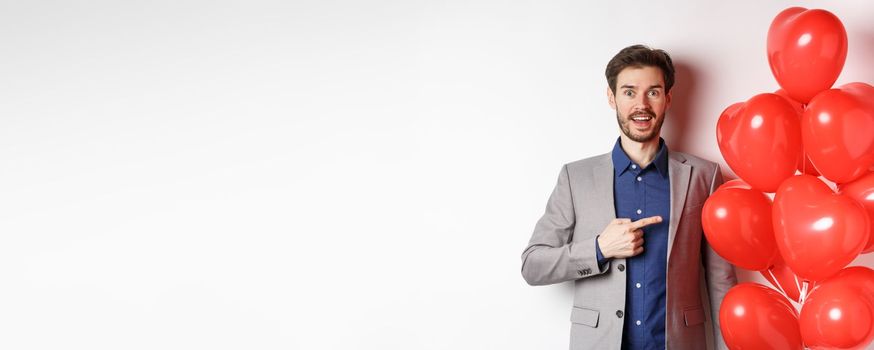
[[641, 153]]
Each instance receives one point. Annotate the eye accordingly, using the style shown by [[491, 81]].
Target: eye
[[628, 93], [653, 93]]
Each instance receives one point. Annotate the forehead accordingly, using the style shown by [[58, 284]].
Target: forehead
[[646, 77]]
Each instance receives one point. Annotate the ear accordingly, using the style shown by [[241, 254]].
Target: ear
[[611, 98], [668, 100]]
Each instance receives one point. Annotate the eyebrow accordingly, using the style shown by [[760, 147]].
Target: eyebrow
[[629, 86]]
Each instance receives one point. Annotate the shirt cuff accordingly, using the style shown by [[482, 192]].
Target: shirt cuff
[[599, 255]]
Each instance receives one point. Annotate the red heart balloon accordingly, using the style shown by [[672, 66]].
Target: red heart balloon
[[806, 51], [760, 140], [838, 131], [862, 190], [753, 316], [818, 232], [737, 224], [840, 312]]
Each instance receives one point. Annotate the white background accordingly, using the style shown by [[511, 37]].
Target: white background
[[324, 174]]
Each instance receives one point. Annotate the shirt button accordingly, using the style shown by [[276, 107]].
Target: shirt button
[[637, 323], [619, 313], [637, 285], [621, 267], [633, 166], [639, 211], [639, 178]]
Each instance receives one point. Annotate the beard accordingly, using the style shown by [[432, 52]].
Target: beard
[[624, 125]]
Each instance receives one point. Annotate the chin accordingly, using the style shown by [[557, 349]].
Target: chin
[[642, 138]]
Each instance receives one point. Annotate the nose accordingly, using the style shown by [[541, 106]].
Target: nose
[[643, 101]]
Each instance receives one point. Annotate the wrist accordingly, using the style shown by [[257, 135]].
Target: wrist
[[600, 252]]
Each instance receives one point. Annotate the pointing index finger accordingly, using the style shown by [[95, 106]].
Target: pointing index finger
[[645, 222]]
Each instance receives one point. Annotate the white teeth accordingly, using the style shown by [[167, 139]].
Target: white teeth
[[641, 119]]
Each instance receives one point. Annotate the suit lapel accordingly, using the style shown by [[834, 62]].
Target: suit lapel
[[679, 173]]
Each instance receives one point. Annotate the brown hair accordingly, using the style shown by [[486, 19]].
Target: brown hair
[[639, 56]]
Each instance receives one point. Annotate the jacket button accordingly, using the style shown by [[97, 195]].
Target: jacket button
[[619, 314], [580, 272], [621, 268]]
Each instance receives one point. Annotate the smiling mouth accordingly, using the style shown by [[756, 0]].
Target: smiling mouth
[[642, 117]]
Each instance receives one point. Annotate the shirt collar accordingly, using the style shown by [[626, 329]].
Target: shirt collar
[[621, 162]]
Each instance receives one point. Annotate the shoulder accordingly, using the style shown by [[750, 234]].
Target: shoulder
[[588, 163], [697, 163], [694, 161]]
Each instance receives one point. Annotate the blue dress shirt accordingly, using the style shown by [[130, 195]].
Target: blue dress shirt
[[640, 193]]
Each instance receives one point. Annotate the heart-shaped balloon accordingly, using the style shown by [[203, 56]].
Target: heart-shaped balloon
[[839, 314], [818, 232], [806, 51], [737, 224], [753, 316], [862, 190], [760, 140], [838, 131]]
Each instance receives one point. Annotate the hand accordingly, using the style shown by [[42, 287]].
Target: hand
[[623, 238]]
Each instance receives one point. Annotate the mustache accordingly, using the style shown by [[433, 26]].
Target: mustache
[[643, 113]]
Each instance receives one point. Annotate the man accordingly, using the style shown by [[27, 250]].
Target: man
[[626, 227]]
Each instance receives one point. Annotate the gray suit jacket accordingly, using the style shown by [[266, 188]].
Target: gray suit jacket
[[562, 248]]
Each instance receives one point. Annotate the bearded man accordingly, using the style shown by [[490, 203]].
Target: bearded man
[[625, 227]]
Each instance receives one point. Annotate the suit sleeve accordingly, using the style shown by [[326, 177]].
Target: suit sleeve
[[551, 255], [719, 273]]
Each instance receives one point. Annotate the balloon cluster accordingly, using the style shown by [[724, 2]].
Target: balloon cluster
[[794, 143]]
